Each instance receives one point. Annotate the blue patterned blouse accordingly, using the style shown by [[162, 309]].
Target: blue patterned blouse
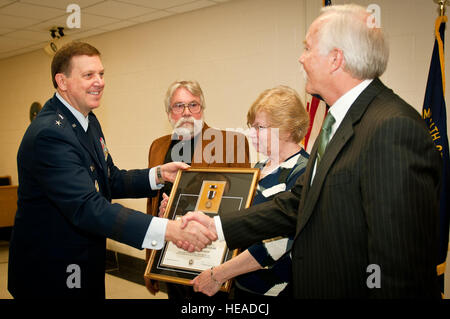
[[275, 276]]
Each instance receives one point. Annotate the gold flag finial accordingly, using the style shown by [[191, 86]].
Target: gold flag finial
[[442, 4]]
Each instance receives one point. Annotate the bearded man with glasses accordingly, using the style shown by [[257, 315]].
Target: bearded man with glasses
[[195, 143]]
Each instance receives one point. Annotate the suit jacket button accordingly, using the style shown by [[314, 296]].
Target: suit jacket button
[[96, 186], [92, 168]]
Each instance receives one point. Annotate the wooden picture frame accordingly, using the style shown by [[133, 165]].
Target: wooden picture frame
[[212, 190]]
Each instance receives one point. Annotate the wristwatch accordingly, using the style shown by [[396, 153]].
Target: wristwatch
[[159, 175]]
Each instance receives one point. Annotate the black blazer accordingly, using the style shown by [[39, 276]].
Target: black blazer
[[66, 182], [374, 200]]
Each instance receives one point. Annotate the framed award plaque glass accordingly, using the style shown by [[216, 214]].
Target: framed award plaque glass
[[212, 191]]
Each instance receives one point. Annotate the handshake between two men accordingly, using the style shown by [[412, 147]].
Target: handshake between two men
[[197, 231], [193, 232]]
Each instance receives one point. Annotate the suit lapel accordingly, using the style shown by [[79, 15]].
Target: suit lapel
[[81, 135], [310, 168], [342, 136], [96, 135], [161, 151], [87, 144]]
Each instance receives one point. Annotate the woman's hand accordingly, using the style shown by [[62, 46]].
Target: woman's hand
[[163, 205], [207, 282]]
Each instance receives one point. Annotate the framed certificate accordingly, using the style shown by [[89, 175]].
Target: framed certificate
[[212, 191]]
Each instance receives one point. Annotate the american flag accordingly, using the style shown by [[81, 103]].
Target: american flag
[[317, 110]]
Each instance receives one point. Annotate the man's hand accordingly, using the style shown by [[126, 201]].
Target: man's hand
[[198, 217], [169, 171], [194, 236]]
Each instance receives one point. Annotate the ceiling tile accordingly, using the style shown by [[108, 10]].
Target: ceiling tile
[[88, 21], [29, 35], [29, 48], [25, 24], [47, 25], [8, 44], [158, 4], [62, 4], [152, 16], [5, 2], [5, 30], [5, 55], [118, 10], [191, 6], [86, 34], [30, 11], [119, 25], [7, 21]]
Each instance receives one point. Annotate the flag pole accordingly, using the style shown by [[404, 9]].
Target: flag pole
[[434, 104]]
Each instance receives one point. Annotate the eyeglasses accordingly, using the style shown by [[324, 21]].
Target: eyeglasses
[[193, 107], [259, 128]]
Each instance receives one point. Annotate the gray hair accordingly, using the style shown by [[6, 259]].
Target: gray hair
[[365, 48], [191, 86]]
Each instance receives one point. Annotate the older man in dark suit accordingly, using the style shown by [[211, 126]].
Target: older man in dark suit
[[365, 213], [66, 182]]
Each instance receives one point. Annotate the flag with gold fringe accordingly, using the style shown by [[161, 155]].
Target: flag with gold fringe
[[434, 113], [317, 110]]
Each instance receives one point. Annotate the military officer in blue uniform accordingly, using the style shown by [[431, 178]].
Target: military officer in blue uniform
[[67, 180]]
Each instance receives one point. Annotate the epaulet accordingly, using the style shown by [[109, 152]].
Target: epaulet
[[59, 120]]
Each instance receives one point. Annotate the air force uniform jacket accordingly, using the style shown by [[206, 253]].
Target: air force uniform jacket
[[66, 182]]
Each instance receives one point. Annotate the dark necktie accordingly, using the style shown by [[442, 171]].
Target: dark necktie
[[324, 137], [93, 139]]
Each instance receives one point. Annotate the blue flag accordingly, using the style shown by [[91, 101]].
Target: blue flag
[[435, 116]]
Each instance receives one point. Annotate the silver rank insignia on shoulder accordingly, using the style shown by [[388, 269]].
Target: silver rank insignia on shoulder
[[59, 121], [96, 186]]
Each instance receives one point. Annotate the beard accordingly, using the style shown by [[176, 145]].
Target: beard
[[186, 127]]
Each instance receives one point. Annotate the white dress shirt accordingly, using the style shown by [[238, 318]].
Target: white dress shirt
[[154, 238], [339, 109]]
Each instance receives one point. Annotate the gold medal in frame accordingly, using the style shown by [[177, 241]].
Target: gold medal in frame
[[210, 196]]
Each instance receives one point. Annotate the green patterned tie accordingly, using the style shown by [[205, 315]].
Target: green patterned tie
[[324, 137]]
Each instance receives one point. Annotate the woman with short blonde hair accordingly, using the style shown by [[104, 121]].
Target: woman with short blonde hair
[[285, 110], [277, 117]]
